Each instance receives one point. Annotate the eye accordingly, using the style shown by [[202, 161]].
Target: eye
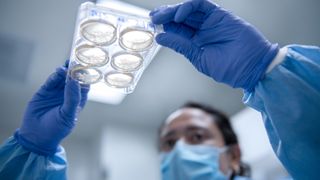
[[168, 144], [196, 138]]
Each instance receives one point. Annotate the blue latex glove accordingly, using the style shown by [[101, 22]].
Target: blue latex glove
[[51, 114], [218, 43]]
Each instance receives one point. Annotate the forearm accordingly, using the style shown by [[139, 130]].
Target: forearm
[[289, 99], [18, 163]]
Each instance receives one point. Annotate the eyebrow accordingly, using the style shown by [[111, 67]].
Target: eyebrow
[[188, 128], [168, 134]]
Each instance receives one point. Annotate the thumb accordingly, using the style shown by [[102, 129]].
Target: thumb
[[55, 80], [72, 96], [84, 95], [180, 44]]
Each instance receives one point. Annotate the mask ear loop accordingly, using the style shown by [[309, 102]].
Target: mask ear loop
[[231, 173], [223, 149]]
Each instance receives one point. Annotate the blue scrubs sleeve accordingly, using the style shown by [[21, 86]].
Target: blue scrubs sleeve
[[289, 100], [19, 163]]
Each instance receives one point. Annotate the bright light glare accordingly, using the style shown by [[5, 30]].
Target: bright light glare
[[105, 94]]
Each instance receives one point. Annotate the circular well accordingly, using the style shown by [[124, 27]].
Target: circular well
[[119, 80], [98, 32], [126, 62], [85, 75], [91, 55], [135, 39]]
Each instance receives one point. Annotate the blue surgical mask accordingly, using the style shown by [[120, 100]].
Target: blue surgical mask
[[192, 162]]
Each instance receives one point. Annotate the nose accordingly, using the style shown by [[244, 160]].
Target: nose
[[181, 140]]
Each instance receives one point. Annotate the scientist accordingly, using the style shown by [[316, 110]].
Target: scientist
[[282, 83], [198, 142]]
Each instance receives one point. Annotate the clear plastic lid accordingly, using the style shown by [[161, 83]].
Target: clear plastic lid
[[112, 46]]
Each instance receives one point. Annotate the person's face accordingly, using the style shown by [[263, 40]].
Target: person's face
[[196, 127]]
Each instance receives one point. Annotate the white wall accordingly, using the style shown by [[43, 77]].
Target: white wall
[[255, 146], [83, 155], [129, 153]]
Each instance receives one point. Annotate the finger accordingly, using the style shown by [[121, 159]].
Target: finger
[[84, 95], [164, 14], [195, 20], [55, 80], [192, 6], [221, 28], [183, 12], [66, 63], [180, 44], [155, 10], [72, 95], [180, 29]]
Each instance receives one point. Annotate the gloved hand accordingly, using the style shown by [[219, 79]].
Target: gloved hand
[[218, 43], [51, 114]]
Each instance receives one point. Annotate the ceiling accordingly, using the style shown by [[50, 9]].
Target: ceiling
[[170, 80]]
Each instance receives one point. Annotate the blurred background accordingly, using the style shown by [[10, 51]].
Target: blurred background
[[118, 142]]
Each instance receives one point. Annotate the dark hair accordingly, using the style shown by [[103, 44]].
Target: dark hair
[[223, 123], [220, 119]]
